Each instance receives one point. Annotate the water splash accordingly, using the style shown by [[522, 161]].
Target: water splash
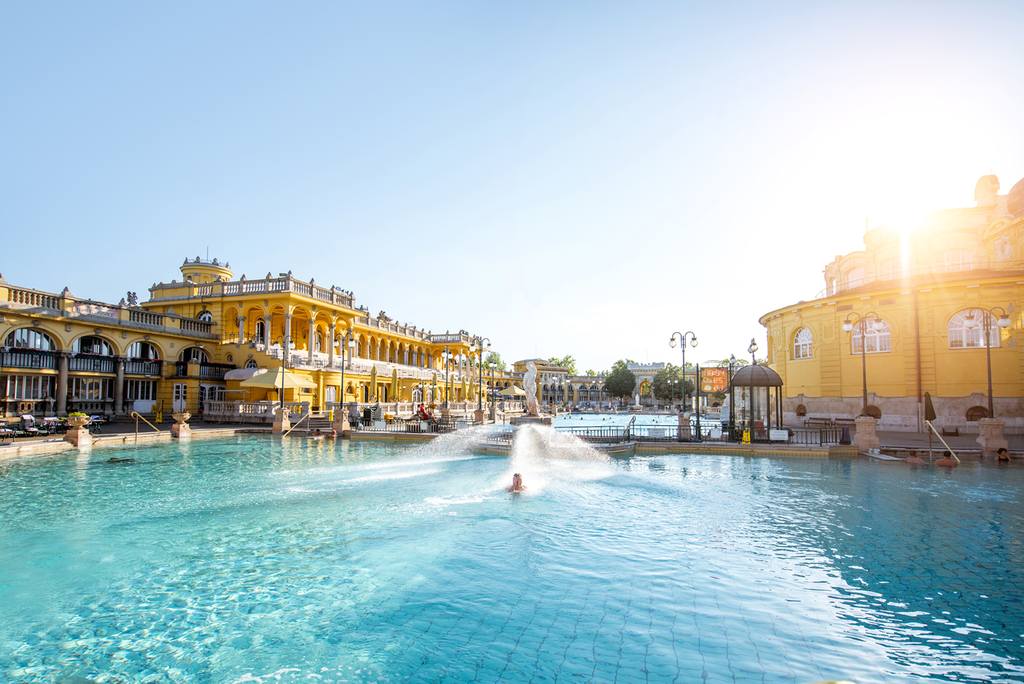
[[544, 456]]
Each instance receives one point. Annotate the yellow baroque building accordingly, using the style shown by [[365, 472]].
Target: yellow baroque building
[[919, 303], [196, 339]]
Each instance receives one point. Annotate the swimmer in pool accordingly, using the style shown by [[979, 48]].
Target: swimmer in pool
[[947, 460], [1002, 455], [517, 484], [913, 459]]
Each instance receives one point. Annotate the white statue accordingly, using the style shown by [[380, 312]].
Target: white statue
[[530, 385]]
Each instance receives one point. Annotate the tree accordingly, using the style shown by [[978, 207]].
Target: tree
[[591, 373], [495, 358], [620, 382], [665, 391], [568, 362]]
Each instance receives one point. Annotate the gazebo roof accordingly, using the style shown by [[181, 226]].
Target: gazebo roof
[[756, 376]]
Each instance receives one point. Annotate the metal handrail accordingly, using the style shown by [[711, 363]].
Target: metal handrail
[[137, 416], [304, 417], [944, 442]]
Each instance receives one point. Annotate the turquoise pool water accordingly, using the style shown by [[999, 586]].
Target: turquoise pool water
[[249, 560]]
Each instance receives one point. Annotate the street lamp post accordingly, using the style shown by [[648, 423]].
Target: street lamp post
[[494, 408], [732, 399], [861, 321], [347, 342], [752, 410], [480, 373], [1002, 319], [447, 363], [682, 337]]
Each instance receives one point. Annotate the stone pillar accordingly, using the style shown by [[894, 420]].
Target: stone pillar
[[62, 384], [341, 425], [119, 386], [286, 338], [990, 435], [181, 429], [310, 340], [330, 346], [282, 421], [684, 427], [865, 436], [241, 329], [267, 319]]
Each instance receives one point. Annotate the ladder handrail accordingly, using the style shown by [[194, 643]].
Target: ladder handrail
[[304, 417], [944, 443], [138, 416]]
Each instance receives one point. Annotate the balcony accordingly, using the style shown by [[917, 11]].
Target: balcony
[[141, 367], [235, 288], [207, 371], [33, 359], [91, 363]]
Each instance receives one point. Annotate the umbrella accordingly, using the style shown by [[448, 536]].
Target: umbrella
[[929, 408], [272, 380], [513, 391], [373, 383]]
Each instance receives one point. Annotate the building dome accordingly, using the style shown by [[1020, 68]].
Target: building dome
[[756, 376], [1015, 199], [205, 271]]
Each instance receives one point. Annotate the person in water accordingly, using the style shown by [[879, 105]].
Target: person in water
[[913, 459], [1002, 455], [517, 484], [947, 460]]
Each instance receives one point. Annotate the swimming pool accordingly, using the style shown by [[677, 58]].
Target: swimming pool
[[250, 559]]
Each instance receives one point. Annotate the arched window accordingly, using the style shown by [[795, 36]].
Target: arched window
[[143, 351], [91, 344], [251, 363], [27, 338], [876, 332], [205, 316], [194, 355], [261, 330], [803, 344], [967, 330], [976, 413]]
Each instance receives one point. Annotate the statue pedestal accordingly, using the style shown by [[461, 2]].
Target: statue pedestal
[[79, 436], [530, 420], [865, 436], [478, 416], [684, 427], [990, 435], [341, 425], [282, 423]]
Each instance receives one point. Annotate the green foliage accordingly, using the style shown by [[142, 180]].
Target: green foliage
[[78, 414], [568, 362], [590, 373], [620, 382], [665, 391], [495, 358]]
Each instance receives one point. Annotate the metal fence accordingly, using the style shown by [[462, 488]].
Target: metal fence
[[405, 426]]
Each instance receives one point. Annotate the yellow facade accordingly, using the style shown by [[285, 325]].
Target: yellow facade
[[199, 329], [924, 298]]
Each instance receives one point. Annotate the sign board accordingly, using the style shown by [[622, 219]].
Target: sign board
[[778, 435], [714, 380]]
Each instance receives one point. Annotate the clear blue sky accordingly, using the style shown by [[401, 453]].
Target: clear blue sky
[[563, 177]]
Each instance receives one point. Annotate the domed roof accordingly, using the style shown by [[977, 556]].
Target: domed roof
[[756, 376], [1015, 199]]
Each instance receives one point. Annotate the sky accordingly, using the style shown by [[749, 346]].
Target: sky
[[572, 178]]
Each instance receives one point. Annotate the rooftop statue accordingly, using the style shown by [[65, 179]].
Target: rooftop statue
[[986, 190]]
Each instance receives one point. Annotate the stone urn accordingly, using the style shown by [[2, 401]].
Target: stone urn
[[342, 427], [77, 434], [282, 421], [181, 429]]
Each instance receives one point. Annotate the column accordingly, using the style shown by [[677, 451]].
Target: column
[[330, 345], [267, 318], [286, 338], [62, 384], [119, 386], [310, 340], [241, 329]]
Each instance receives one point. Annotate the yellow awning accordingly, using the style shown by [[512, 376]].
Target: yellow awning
[[272, 380]]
